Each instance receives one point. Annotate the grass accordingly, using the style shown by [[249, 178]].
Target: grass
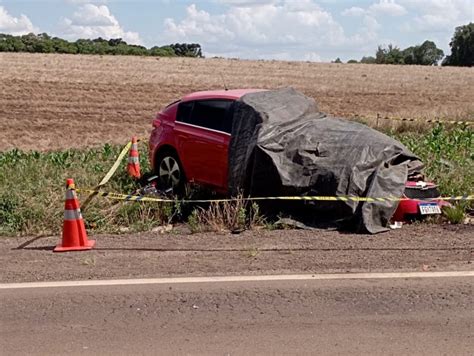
[[455, 214], [234, 216], [32, 187], [447, 153]]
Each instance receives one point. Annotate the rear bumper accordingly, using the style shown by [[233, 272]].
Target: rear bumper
[[410, 208]]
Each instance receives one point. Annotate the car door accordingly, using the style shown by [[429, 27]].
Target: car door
[[203, 134]]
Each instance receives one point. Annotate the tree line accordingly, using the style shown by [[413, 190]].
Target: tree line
[[43, 43], [462, 52], [462, 49]]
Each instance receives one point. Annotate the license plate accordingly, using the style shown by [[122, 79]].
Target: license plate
[[429, 208]]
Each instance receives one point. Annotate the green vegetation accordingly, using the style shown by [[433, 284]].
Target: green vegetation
[[447, 153], [454, 214], [462, 52], [43, 43], [32, 187], [368, 60], [426, 54], [462, 47]]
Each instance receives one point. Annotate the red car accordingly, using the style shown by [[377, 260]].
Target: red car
[[190, 139]]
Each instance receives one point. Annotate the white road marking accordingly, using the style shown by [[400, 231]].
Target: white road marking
[[226, 279]]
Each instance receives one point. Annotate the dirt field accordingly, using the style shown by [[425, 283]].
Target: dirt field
[[414, 248], [57, 101]]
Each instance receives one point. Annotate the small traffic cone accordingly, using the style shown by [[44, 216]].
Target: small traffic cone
[[74, 232], [133, 166]]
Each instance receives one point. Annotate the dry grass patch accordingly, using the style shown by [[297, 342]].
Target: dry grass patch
[[235, 216]]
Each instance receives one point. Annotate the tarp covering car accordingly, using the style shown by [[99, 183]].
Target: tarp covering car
[[282, 145]]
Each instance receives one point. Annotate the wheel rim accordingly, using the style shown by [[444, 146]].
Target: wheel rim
[[169, 172]]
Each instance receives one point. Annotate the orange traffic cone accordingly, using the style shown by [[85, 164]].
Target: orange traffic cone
[[74, 231], [133, 166]]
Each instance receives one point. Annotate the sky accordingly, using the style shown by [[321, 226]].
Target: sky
[[304, 30]]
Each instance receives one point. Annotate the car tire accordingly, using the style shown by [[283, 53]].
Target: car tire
[[170, 172]]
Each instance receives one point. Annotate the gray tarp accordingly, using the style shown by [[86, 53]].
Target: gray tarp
[[283, 145]]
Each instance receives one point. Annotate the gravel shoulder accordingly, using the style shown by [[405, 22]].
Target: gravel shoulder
[[414, 248]]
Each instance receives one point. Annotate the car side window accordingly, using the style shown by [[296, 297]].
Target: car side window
[[184, 111], [211, 114]]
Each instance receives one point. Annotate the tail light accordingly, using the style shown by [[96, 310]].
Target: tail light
[[157, 122]]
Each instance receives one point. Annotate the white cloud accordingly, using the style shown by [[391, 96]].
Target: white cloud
[[380, 8], [86, 1], [371, 24], [312, 57], [272, 29], [354, 11], [92, 21], [369, 18], [15, 25], [247, 3], [387, 7], [439, 15]]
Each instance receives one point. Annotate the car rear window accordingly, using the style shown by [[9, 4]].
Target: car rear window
[[210, 114]]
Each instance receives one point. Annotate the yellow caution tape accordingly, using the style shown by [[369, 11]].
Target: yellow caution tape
[[109, 175], [112, 170], [432, 121], [116, 164], [144, 198]]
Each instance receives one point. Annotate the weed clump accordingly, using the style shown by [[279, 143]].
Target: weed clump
[[454, 214], [235, 216]]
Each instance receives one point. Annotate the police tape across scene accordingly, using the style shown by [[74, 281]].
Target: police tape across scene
[[145, 198]]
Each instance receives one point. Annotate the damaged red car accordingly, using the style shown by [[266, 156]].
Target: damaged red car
[[191, 138]]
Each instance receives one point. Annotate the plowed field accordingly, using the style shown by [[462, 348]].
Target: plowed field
[[57, 101]]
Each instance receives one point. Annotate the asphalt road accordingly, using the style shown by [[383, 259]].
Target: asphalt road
[[416, 316]]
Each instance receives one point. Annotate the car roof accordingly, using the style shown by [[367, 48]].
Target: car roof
[[233, 94]]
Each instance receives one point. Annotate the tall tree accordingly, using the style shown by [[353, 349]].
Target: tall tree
[[425, 54], [389, 55], [462, 47]]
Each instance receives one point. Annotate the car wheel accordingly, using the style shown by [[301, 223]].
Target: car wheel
[[170, 172]]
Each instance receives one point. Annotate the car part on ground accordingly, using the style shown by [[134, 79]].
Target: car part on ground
[[419, 201]]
